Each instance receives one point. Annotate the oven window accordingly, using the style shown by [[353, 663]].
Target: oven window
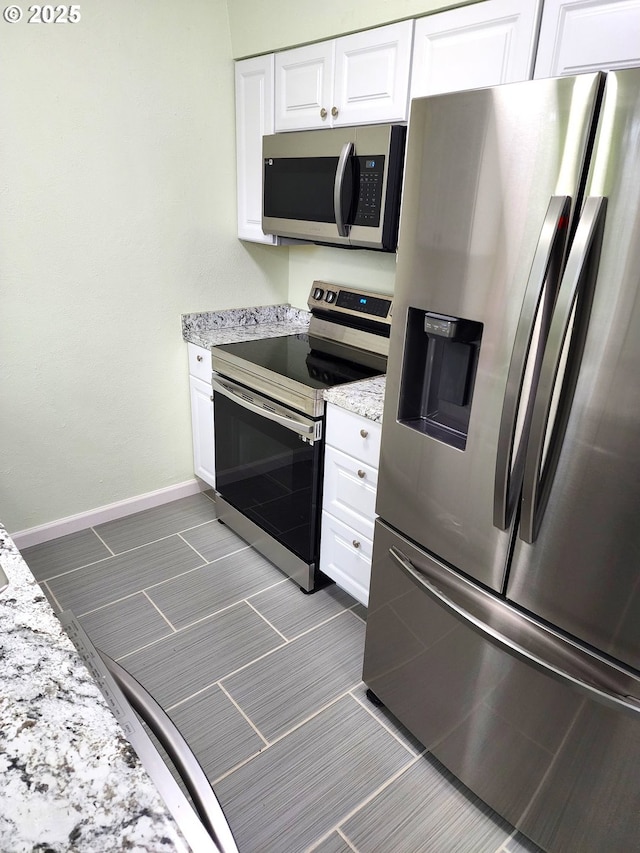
[[270, 475]]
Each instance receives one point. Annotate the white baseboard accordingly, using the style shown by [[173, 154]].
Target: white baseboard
[[74, 523]]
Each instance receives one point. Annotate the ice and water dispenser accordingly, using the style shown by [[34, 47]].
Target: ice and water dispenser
[[438, 375]]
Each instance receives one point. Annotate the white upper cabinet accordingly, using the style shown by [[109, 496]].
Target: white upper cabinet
[[578, 36], [254, 117], [480, 45], [304, 86], [358, 79]]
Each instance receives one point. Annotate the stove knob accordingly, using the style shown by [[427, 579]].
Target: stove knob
[[318, 293], [331, 296]]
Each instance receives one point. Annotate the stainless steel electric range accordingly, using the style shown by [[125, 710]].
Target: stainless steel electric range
[[269, 422]]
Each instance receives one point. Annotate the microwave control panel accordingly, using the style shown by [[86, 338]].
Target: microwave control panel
[[370, 172]]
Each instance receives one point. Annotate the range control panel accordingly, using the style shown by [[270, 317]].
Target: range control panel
[[331, 297]]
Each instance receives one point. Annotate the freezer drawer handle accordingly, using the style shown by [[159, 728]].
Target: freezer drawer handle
[[545, 269], [570, 317], [602, 694]]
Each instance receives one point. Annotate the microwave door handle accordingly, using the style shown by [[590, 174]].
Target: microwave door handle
[[345, 154]]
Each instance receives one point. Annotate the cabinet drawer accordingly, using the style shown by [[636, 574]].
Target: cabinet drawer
[[353, 434], [350, 490], [199, 362], [345, 557]]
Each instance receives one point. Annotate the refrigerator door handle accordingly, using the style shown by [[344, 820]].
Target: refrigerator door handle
[[545, 270], [498, 611], [568, 327]]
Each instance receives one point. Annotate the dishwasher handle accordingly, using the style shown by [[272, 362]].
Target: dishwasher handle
[[201, 793]]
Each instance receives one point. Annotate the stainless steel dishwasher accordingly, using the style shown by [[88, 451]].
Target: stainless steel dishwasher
[[203, 824]]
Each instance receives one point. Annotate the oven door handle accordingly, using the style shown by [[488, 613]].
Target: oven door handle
[[308, 429]]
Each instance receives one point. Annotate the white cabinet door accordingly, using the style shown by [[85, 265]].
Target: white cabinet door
[[371, 81], [357, 79], [202, 429], [345, 557], [304, 87], [578, 36], [350, 490], [254, 117], [481, 45]]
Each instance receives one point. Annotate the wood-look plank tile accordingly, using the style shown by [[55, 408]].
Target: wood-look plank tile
[[333, 844], [214, 587], [156, 523], [50, 597], [425, 810], [109, 580], [194, 658], [292, 612], [296, 790], [125, 626], [521, 844], [214, 540], [361, 611], [284, 688], [65, 553], [216, 731], [387, 719]]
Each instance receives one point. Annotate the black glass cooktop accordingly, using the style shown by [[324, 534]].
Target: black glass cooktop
[[298, 357]]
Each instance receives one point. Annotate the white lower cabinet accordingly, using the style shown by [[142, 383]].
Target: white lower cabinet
[[345, 557], [202, 413], [352, 452]]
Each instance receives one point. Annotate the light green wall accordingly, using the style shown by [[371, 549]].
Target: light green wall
[[358, 268], [117, 214], [260, 27]]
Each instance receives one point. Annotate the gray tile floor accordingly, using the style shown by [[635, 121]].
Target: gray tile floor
[[265, 684]]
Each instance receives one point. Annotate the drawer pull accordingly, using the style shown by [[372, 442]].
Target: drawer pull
[[356, 544], [361, 474], [211, 398], [199, 358], [364, 433]]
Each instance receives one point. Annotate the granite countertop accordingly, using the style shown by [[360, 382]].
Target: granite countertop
[[365, 398], [71, 780], [209, 328]]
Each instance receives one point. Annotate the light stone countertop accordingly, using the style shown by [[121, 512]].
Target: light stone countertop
[[365, 398], [210, 328], [70, 779]]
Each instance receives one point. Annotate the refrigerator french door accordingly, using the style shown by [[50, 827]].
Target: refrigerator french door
[[510, 464]]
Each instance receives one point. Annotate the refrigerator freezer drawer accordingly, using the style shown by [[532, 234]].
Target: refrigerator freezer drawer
[[554, 750]]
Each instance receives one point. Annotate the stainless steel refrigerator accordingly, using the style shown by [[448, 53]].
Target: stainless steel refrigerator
[[504, 613]]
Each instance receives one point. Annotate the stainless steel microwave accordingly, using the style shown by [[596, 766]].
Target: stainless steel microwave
[[340, 186]]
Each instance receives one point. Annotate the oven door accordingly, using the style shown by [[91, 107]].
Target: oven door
[[269, 467]]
